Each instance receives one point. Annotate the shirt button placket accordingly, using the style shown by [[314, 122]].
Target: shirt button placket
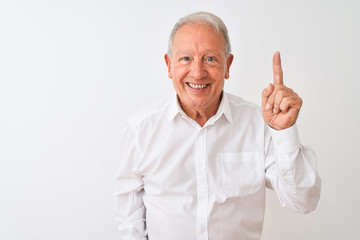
[[202, 185]]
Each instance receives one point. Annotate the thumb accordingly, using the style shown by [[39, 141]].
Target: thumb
[[265, 96]]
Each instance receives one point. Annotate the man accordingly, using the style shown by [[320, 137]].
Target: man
[[195, 166]]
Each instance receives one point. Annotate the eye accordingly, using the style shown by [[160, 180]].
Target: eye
[[210, 59], [185, 60]]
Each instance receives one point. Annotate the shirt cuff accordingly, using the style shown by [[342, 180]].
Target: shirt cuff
[[287, 140]]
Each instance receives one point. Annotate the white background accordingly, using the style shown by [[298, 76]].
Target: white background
[[71, 72]]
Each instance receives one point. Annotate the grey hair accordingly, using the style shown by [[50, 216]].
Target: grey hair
[[204, 18]]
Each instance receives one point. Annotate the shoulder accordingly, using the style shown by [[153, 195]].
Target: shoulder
[[152, 113], [237, 104], [245, 114], [244, 111]]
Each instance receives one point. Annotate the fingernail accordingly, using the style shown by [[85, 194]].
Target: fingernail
[[268, 106], [275, 111]]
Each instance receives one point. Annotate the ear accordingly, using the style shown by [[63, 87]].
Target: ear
[[229, 61], [168, 64]]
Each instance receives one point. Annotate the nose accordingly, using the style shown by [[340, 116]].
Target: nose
[[198, 69]]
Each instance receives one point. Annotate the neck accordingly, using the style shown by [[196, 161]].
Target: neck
[[200, 115]]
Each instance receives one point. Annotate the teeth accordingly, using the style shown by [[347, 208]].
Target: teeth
[[197, 86]]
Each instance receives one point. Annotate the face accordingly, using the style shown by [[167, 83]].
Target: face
[[198, 67]]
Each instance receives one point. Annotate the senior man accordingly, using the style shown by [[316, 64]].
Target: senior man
[[195, 166]]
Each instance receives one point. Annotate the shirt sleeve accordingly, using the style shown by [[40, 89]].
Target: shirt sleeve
[[291, 170], [128, 190]]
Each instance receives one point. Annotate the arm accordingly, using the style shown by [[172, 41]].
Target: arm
[[290, 167], [130, 210], [291, 171]]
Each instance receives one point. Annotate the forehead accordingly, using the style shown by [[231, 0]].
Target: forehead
[[198, 37]]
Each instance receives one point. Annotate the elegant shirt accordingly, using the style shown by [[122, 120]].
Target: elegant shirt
[[180, 181]]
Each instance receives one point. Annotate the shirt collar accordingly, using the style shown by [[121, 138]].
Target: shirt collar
[[174, 108], [224, 109]]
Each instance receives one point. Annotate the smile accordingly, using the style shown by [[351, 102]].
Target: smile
[[197, 86]]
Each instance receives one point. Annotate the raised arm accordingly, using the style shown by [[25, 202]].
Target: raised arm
[[291, 169]]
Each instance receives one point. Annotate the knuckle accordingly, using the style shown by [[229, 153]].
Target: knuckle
[[264, 92], [284, 103], [300, 101], [271, 98], [282, 93], [286, 100]]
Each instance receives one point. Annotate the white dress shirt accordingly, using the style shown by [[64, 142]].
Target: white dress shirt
[[180, 181]]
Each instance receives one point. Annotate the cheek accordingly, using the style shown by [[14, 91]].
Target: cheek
[[179, 73], [218, 74], [178, 83]]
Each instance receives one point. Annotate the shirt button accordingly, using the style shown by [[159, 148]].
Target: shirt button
[[200, 165], [202, 230]]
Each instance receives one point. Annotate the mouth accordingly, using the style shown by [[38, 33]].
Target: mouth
[[197, 86]]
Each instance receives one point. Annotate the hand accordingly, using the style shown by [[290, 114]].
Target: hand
[[280, 105]]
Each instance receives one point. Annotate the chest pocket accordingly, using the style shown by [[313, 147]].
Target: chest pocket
[[242, 173]]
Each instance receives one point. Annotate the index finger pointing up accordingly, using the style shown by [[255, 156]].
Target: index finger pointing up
[[278, 73]]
